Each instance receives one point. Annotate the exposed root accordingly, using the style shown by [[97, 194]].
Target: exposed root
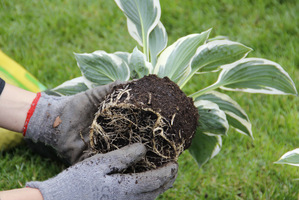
[[119, 123]]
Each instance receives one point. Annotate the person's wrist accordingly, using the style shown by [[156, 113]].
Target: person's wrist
[[14, 105], [21, 194]]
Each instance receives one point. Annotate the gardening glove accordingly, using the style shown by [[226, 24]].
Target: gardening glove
[[98, 177], [59, 122]]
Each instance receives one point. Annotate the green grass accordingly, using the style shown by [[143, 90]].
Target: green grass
[[42, 36]]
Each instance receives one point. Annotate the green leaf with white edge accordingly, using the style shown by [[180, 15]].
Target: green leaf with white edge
[[157, 42], [212, 120], [173, 61], [142, 18], [123, 55], [218, 37], [253, 75], [235, 115], [290, 158], [139, 67], [256, 75], [102, 68], [212, 55], [71, 87], [209, 57], [204, 147]]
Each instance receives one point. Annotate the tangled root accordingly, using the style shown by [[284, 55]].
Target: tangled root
[[119, 123]]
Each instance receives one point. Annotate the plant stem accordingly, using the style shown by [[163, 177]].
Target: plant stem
[[144, 37], [205, 90], [145, 51], [183, 82]]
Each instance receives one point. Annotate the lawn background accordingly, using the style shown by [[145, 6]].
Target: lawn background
[[42, 36]]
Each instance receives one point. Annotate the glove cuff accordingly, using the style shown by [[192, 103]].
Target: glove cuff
[[66, 186], [40, 125], [47, 189], [30, 112]]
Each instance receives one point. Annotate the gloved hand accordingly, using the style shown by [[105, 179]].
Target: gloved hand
[[97, 177], [59, 121]]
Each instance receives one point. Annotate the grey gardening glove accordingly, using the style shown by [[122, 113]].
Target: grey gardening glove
[[58, 122], [97, 177]]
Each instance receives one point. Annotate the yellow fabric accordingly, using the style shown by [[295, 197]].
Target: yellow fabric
[[15, 74], [9, 139]]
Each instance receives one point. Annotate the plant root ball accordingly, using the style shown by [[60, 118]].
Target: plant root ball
[[151, 110]]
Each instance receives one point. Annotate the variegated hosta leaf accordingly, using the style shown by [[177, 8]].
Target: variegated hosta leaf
[[71, 87], [290, 158], [173, 61], [235, 115], [204, 147], [142, 18], [157, 42], [139, 67], [212, 120], [212, 55], [253, 75], [218, 37], [209, 57], [102, 68], [256, 75], [123, 55]]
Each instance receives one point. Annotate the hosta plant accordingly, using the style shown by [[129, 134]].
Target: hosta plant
[[129, 114]]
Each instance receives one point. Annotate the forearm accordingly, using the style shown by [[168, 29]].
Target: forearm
[[21, 194], [14, 105]]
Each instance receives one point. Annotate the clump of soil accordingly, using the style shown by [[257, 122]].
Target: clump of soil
[[151, 110]]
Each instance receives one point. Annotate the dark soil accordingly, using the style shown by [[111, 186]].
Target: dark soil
[[147, 100]]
